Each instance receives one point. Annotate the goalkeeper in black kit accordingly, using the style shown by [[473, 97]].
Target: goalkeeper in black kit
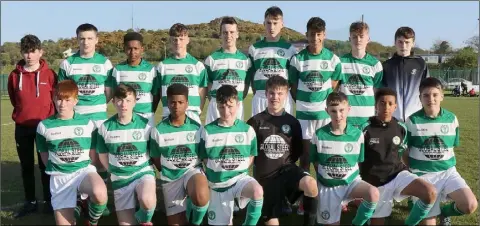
[[279, 140]]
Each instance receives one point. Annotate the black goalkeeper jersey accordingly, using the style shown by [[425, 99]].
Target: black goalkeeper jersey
[[279, 142]]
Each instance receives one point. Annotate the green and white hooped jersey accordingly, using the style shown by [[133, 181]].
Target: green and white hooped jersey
[[313, 75], [431, 141], [142, 78], [127, 147], [91, 75], [228, 151], [227, 69], [337, 155], [177, 147], [187, 71], [269, 59], [360, 77], [68, 143]]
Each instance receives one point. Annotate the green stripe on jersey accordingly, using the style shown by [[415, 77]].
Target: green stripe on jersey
[[187, 71], [68, 143], [228, 151], [269, 59], [313, 75], [337, 156], [143, 78], [431, 141], [91, 75], [127, 147], [227, 69], [177, 147], [360, 77]]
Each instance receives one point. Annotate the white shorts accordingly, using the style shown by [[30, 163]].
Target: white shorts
[[260, 103], [220, 210], [445, 183], [125, 198], [212, 112], [175, 192], [64, 188], [191, 114], [392, 190], [309, 127], [330, 201], [150, 116]]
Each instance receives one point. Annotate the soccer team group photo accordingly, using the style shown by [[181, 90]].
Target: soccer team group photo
[[321, 131]]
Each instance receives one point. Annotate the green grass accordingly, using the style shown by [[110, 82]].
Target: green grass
[[466, 109]]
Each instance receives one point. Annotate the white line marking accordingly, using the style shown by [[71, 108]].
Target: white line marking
[[6, 124]]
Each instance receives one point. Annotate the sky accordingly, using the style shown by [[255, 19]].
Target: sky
[[453, 21]]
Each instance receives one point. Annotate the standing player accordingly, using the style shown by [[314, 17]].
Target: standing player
[[336, 151], [270, 56], [66, 143], [362, 74], [91, 71], [174, 149], [123, 147], [313, 74], [183, 68], [433, 132], [280, 145], [383, 167], [139, 74], [227, 148], [227, 66]]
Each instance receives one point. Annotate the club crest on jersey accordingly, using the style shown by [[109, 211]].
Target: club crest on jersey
[[78, 131], [96, 68], [188, 68], [142, 76], [239, 138], [239, 64], [280, 52], [348, 148], [396, 140], [286, 129], [324, 65], [190, 136], [325, 215], [444, 129], [211, 215], [137, 135], [366, 70]]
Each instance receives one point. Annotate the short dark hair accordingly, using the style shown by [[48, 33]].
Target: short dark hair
[[316, 24], [30, 43], [122, 90], [177, 89], [358, 27], [227, 20], [276, 82], [86, 27], [430, 82], [132, 36], [385, 91], [405, 32], [225, 93], [273, 11], [335, 98], [177, 30]]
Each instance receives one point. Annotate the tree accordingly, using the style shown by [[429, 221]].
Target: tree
[[464, 58], [442, 47], [473, 42]]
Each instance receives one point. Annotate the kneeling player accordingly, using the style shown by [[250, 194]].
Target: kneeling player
[[67, 148], [280, 145], [123, 147], [174, 149], [385, 140], [228, 146], [337, 148]]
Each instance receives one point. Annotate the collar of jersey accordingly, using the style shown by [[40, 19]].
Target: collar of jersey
[[378, 122], [283, 113], [234, 123], [187, 121], [75, 116], [134, 118], [440, 113], [345, 132], [142, 62]]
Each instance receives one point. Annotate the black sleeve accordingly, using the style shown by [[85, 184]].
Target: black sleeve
[[253, 124], [297, 142]]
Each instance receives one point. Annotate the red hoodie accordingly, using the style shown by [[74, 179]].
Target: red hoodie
[[31, 94]]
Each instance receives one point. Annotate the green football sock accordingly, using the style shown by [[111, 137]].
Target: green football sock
[[195, 214], [450, 210], [143, 215], [95, 211], [364, 212], [419, 211], [254, 211]]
